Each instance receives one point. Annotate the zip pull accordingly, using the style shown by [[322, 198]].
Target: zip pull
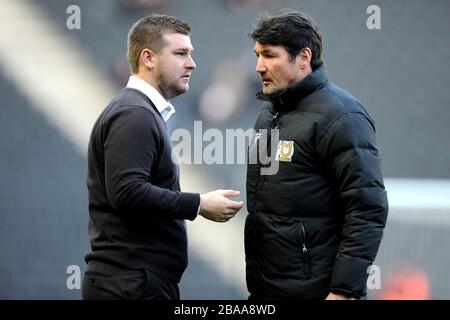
[[274, 121], [305, 252], [304, 240]]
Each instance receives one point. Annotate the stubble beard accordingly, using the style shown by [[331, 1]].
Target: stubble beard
[[271, 90], [171, 87]]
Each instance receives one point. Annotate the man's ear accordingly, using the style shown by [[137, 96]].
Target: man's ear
[[148, 58], [304, 58]]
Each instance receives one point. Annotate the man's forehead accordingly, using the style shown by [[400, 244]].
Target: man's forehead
[[178, 40], [260, 47]]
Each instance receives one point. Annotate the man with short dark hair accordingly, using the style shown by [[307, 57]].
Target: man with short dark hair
[[315, 226], [137, 211]]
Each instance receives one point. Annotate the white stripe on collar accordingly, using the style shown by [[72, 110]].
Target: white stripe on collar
[[165, 108]]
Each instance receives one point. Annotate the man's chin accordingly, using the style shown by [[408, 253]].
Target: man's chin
[[270, 92], [184, 88], [181, 89]]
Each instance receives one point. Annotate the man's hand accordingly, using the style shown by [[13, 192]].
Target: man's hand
[[337, 296], [217, 207]]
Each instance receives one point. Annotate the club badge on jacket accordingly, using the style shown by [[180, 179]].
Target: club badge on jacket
[[285, 151]]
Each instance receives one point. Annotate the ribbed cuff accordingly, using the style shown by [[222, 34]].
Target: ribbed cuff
[[191, 205], [350, 277]]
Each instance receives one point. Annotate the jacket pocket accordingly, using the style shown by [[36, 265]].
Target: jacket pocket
[[304, 249]]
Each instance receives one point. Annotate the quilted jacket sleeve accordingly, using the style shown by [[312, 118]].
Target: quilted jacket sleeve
[[349, 153]]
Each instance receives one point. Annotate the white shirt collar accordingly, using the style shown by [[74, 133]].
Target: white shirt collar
[[164, 107]]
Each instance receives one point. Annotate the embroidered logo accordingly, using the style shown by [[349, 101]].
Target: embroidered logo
[[285, 151]]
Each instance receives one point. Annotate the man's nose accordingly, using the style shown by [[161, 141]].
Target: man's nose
[[260, 66], [190, 63]]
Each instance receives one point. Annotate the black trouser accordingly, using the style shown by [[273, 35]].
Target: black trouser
[[253, 297], [106, 282]]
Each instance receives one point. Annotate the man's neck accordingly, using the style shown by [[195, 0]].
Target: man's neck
[[149, 79]]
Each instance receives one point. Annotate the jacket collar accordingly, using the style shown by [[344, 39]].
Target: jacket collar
[[299, 90]]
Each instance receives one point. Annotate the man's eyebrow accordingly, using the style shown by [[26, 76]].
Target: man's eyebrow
[[264, 51], [184, 49]]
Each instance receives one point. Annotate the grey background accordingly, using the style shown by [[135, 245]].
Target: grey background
[[400, 73]]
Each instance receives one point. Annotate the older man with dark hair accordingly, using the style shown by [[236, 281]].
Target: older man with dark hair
[[315, 226]]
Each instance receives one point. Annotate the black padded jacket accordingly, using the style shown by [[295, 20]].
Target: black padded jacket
[[315, 225]]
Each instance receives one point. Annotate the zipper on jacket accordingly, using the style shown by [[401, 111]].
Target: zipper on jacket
[[305, 249], [275, 121], [275, 125]]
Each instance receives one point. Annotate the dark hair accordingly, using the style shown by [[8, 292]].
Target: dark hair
[[294, 31], [148, 33]]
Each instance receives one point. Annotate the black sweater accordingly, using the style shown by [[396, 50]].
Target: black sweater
[[136, 208]]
